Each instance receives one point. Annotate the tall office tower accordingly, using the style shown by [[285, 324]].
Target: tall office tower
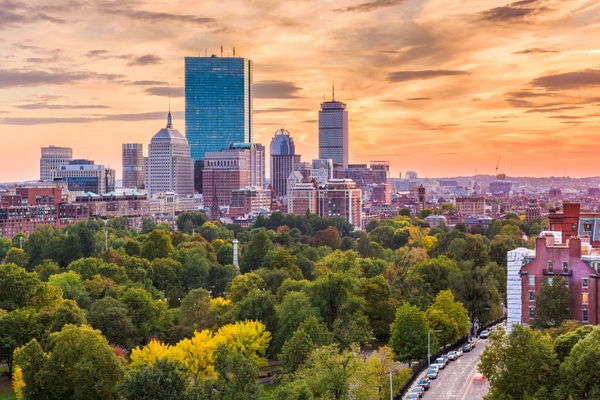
[[283, 160], [218, 105], [133, 165], [85, 176], [238, 166], [53, 158], [333, 132], [170, 167]]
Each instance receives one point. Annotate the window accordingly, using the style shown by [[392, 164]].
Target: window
[[565, 267], [550, 280], [587, 227], [550, 267], [584, 282], [584, 316], [531, 280], [531, 312], [584, 298], [531, 295]]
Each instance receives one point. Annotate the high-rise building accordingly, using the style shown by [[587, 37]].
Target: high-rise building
[[169, 165], [133, 165], [53, 158], [333, 132], [85, 176], [341, 198], [218, 103], [283, 160], [238, 166]]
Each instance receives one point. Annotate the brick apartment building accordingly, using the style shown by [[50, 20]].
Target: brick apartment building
[[576, 261]]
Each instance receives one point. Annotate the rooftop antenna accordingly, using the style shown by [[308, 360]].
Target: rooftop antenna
[[206, 52], [234, 51], [333, 90], [221, 50]]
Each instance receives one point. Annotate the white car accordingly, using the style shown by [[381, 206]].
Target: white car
[[459, 353], [452, 355]]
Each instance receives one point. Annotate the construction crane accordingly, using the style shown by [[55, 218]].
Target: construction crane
[[499, 176]]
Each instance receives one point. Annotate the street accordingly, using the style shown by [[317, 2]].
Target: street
[[456, 380]]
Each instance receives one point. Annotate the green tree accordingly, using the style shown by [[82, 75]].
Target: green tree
[[5, 245], [579, 370], [149, 316], [165, 379], [552, 304], [81, 365], [31, 359], [17, 286], [71, 285], [507, 364], [111, 317], [16, 256], [16, 329], [455, 310], [409, 334], [565, 342], [379, 307], [47, 268], [225, 254], [430, 277], [238, 375], [257, 306], [189, 221], [67, 313], [244, 285], [167, 276], [256, 251], [157, 245]]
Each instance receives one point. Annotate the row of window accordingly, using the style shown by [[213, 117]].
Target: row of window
[[584, 282], [585, 297], [565, 267], [585, 315]]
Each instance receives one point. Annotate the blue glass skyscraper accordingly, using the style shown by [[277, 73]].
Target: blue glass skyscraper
[[218, 103]]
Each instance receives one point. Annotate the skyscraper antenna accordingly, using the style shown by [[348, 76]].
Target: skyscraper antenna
[[206, 52], [234, 51], [333, 90], [221, 50]]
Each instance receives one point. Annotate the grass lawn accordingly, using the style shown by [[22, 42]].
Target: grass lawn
[[6, 391]]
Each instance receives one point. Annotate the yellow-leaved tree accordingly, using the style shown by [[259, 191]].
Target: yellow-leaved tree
[[199, 353], [154, 350], [250, 338]]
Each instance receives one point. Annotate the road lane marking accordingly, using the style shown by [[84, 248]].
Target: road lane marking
[[468, 388]]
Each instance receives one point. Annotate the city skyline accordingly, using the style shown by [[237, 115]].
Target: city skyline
[[437, 87]]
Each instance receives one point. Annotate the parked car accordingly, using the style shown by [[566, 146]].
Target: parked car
[[419, 390], [473, 344], [424, 383], [412, 396], [440, 362], [467, 347], [432, 373], [484, 334], [446, 358], [452, 356], [459, 353]]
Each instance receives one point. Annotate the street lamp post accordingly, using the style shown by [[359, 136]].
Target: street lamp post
[[21, 242], [471, 331], [429, 345]]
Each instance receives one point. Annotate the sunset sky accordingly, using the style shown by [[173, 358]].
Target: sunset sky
[[441, 87]]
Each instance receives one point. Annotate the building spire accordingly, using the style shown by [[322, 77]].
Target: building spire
[[169, 119]]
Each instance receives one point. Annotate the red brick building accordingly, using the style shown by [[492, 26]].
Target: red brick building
[[32, 207], [571, 261]]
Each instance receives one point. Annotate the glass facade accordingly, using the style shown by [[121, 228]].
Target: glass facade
[[218, 103]]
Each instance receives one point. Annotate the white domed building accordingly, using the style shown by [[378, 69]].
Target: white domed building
[[169, 167]]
